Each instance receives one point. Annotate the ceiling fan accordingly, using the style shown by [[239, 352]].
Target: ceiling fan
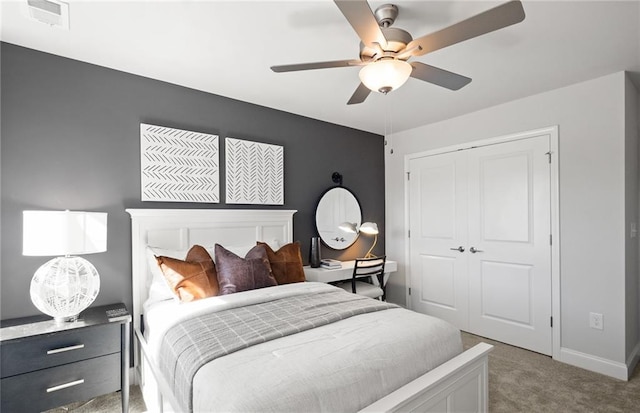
[[385, 50]]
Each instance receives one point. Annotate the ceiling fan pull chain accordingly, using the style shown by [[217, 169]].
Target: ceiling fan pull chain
[[388, 120]]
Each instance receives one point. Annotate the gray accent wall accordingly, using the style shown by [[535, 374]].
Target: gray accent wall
[[70, 139]]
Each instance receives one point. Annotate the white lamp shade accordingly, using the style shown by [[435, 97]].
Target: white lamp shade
[[370, 228], [349, 227], [51, 233], [385, 75]]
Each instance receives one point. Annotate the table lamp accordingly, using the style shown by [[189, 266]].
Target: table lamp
[[65, 285], [369, 228]]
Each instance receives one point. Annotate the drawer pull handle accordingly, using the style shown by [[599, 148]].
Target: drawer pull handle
[[63, 349], [64, 386]]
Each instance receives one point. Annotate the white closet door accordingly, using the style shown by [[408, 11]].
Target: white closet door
[[438, 214], [494, 202], [510, 225]]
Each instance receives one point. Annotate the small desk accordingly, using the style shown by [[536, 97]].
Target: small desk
[[326, 275]]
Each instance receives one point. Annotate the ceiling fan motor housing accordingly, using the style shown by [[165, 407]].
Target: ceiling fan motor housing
[[397, 40]]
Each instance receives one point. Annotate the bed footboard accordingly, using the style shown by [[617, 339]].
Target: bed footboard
[[458, 385], [154, 388]]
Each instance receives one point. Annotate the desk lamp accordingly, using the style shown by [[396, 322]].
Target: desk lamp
[[369, 228]]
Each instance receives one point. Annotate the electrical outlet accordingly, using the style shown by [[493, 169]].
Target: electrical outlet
[[596, 321]]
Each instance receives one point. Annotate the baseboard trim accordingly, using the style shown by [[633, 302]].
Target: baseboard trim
[[133, 377], [633, 359], [593, 363]]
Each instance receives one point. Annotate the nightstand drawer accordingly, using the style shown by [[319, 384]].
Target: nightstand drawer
[[39, 352], [56, 386]]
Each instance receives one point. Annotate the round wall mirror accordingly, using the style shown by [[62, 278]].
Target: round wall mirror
[[337, 205]]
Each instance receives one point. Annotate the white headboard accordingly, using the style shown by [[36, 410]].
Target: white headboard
[[179, 229]]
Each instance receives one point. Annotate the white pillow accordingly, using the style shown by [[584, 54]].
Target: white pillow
[[159, 289], [239, 250]]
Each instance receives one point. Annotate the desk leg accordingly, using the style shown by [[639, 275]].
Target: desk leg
[[124, 368], [384, 290]]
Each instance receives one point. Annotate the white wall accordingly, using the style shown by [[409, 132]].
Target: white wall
[[631, 216], [591, 119]]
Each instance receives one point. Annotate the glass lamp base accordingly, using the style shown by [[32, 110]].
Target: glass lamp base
[[65, 286], [70, 319]]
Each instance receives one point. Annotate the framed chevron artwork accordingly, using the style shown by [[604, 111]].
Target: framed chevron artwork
[[178, 165], [254, 172]]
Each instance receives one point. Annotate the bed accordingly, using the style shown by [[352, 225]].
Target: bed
[[349, 363]]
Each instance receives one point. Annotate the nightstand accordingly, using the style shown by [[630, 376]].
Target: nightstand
[[47, 364]]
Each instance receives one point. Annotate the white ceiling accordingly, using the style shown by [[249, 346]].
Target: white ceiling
[[227, 47]]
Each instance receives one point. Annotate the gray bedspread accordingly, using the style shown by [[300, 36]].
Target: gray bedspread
[[189, 345]]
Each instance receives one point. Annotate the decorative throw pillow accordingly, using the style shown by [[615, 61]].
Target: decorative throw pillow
[[158, 287], [199, 254], [237, 274], [191, 279], [286, 263]]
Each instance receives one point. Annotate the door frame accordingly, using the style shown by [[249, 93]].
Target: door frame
[[552, 131]]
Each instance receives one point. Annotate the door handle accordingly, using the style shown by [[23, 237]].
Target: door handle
[[473, 250], [459, 249]]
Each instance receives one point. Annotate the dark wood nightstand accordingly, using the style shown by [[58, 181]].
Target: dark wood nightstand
[[47, 364]]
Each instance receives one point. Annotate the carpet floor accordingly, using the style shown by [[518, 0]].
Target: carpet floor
[[519, 381], [524, 381]]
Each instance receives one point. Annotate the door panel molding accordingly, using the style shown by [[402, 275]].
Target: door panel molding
[[492, 275], [442, 281]]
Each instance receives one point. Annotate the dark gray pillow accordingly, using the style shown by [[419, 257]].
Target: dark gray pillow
[[237, 274]]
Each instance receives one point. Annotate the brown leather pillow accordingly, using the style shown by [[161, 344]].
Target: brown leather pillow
[[191, 279], [286, 263], [237, 274]]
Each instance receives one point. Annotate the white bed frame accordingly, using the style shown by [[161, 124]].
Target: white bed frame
[[460, 384]]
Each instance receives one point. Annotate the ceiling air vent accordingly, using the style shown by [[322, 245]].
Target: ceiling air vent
[[51, 12]]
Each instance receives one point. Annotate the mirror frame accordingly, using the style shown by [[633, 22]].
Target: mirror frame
[[343, 242]]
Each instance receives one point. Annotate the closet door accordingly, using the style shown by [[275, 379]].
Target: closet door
[[438, 238], [493, 203], [509, 228]]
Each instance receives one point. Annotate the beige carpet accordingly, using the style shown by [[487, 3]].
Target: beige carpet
[[524, 381], [110, 403], [519, 381]]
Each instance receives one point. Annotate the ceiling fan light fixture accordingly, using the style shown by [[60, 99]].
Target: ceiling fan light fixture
[[385, 75]]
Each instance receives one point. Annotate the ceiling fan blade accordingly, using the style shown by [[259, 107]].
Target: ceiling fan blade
[[438, 76], [359, 95], [363, 21], [485, 22], [317, 65]]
